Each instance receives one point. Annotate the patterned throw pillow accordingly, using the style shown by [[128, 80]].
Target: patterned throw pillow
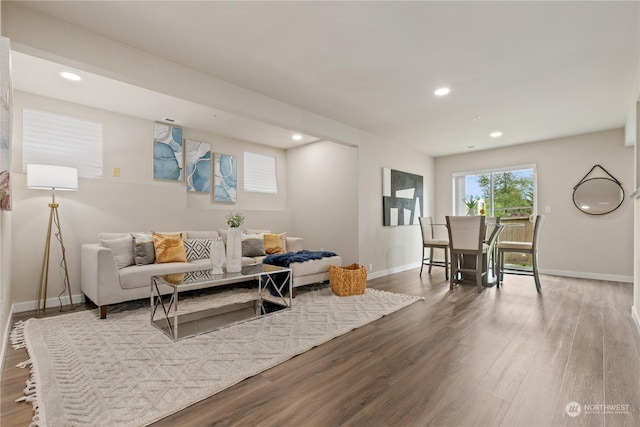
[[168, 248], [197, 248]]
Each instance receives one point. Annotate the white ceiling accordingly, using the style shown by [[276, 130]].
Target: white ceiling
[[42, 77], [533, 70]]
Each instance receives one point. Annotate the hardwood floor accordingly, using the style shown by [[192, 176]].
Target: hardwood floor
[[507, 357]]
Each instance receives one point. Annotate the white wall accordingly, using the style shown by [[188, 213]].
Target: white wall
[[5, 280], [5, 274], [571, 243], [390, 249], [131, 202], [323, 197]]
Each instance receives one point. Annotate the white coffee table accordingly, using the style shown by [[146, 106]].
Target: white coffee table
[[258, 290]]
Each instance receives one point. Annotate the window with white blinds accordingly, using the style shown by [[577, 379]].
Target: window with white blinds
[[259, 173], [54, 139]]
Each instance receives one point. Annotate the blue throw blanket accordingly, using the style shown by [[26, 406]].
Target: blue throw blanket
[[283, 260]]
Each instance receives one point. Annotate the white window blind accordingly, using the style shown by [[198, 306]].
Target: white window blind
[[54, 139], [259, 173]]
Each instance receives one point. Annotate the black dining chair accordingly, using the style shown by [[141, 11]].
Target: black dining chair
[[429, 243]]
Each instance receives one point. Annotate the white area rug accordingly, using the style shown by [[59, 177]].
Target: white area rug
[[123, 371]]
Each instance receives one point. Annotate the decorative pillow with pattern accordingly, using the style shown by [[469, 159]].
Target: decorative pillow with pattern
[[197, 248]]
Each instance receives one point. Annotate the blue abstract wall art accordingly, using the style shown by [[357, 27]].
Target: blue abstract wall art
[[225, 173], [197, 157], [167, 152], [402, 197]]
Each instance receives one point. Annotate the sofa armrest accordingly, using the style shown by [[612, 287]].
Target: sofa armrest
[[294, 244], [99, 276]]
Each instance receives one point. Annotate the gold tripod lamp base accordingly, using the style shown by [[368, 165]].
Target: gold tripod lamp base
[[50, 177], [54, 220]]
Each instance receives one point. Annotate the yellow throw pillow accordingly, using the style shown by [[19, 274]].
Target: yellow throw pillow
[[168, 248], [273, 243]]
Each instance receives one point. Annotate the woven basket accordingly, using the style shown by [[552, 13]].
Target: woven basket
[[348, 280]]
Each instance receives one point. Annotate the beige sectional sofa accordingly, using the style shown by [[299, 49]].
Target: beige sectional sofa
[[115, 270]]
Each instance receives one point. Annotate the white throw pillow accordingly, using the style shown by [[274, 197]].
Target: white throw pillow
[[122, 250]]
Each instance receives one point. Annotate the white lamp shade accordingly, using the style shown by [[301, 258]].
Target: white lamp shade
[[50, 177]]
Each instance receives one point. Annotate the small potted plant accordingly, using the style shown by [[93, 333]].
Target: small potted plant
[[471, 203], [235, 220]]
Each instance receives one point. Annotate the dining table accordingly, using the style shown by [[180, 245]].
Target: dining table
[[469, 261]]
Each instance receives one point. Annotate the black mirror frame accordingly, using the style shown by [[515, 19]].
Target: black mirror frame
[[585, 180]]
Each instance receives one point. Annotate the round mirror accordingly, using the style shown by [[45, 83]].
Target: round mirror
[[598, 196]]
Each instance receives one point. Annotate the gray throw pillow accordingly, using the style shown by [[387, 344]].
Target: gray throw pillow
[[253, 245], [143, 250]]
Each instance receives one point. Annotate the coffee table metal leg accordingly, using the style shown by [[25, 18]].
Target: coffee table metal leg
[[156, 300]]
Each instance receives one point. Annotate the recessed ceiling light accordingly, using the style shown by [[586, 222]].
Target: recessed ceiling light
[[70, 76], [296, 137], [442, 91], [496, 134]]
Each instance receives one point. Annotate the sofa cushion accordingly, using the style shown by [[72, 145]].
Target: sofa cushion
[[122, 248], [140, 275], [197, 249], [255, 231], [143, 252], [314, 266], [111, 236], [253, 245], [168, 248], [275, 243], [201, 234]]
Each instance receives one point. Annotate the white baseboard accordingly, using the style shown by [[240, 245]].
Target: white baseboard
[[587, 275], [20, 307], [393, 270], [636, 319], [563, 273]]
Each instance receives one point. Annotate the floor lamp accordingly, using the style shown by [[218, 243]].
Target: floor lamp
[[50, 177]]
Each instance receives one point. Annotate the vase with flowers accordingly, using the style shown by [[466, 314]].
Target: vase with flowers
[[234, 242]]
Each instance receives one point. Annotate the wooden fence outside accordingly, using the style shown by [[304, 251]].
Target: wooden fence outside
[[518, 229]]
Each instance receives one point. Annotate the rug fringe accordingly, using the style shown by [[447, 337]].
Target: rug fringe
[[30, 394], [17, 335], [18, 341], [417, 298], [24, 364]]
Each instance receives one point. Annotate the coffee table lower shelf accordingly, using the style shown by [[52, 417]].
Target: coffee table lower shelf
[[262, 289]]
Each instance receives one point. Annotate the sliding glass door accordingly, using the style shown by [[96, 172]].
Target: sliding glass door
[[508, 193]]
